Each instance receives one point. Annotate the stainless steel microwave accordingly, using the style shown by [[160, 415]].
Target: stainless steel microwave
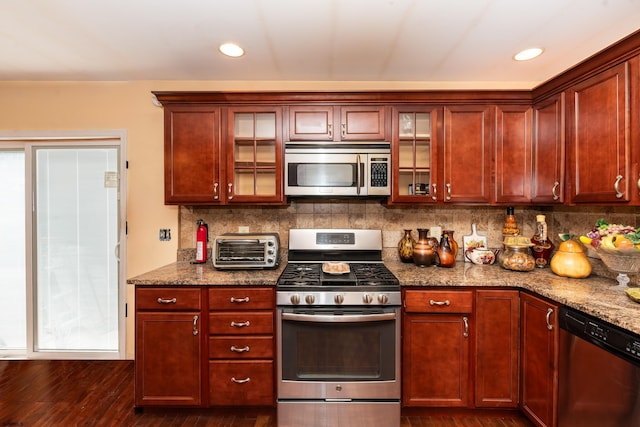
[[337, 169]]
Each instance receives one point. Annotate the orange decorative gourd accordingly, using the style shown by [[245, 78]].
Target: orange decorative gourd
[[571, 261]]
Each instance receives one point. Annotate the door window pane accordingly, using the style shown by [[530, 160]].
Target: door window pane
[[12, 252], [76, 234]]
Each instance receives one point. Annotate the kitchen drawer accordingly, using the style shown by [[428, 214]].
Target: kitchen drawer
[[240, 298], [240, 347], [241, 323], [241, 383], [439, 301], [169, 298]]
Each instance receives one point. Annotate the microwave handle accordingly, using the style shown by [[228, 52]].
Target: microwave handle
[[358, 174]]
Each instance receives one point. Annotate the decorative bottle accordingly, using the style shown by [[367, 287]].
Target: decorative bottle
[[423, 254], [452, 242], [405, 247], [510, 227], [542, 246], [445, 251]]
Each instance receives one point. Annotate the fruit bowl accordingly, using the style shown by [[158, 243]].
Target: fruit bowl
[[621, 262]]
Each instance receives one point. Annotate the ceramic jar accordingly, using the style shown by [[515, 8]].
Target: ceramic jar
[[446, 252], [423, 253], [405, 247]]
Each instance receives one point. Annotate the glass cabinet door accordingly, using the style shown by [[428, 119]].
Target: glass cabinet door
[[254, 172], [413, 151]]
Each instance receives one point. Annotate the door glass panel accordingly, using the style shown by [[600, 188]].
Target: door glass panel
[[13, 315], [76, 234], [414, 154]]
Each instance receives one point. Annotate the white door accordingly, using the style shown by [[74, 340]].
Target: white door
[[69, 302]]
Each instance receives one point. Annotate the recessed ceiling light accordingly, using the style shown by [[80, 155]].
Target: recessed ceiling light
[[525, 55], [231, 49]]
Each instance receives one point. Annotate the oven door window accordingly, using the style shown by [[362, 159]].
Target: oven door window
[[328, 351]]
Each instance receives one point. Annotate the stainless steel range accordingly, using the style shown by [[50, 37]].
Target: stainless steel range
[[338, 332]]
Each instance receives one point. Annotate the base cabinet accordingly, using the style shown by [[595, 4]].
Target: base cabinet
[[168, 347], [539, 356], [436, 348]]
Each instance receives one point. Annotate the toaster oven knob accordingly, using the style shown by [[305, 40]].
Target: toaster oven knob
[[310, 299], [367, 298], [338, 299], [383, 298], [295, 299]]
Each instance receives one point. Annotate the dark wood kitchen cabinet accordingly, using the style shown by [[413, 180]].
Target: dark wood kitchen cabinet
[[548, 163], [223, 155], [466, 155], [192, 172], [497, 344], [168, 347], [512, 155], [436, 348], [241, 346], [338, 123], [414, 154], [254, 168], [598, 148], [539, 359]]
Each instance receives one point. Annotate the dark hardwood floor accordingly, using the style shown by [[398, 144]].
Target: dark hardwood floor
[[100, 393]]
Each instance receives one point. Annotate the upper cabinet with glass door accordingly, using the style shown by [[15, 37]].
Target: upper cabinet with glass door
[[414, 155], [254, 155]]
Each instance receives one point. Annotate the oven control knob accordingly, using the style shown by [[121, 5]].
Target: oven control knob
[[310, 299], [367, 298], [338, 299], [295, 299], [383, 298]]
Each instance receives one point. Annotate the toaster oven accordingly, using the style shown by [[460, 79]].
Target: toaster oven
[[246, 251]]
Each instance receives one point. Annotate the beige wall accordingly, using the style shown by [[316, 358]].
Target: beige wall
[[73, 106]]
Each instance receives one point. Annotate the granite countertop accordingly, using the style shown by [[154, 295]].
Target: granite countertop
[[599, 296]]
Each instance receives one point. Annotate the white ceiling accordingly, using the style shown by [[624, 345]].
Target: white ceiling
[[450, 41]]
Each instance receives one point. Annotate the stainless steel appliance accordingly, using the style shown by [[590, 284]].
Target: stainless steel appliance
[[246, 250], [320, 169], [599, 373], [338, 332]]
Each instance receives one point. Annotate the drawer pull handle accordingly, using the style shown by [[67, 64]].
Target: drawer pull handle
[[240, 349], [246, 380], [167, 301], [245, 299], [445, 302], [195, 325], [240, 324]]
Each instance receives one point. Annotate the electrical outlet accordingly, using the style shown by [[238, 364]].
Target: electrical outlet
[[165, 234], [243, 229]]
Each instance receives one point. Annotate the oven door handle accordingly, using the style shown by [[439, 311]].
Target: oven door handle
[[319, 318]]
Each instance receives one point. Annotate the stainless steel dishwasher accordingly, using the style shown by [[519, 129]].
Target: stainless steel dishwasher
[[599, 373]]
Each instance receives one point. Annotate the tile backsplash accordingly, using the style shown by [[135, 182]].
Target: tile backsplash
[[393, 220]]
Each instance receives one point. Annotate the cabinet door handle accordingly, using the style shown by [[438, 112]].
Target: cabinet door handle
[[167, 300], [230, 191], [216, 196], [616, 186], [240, 300], [448, 191], [549, 313], [434, 193], [330, 131], [344, 130], [195, 325], [465, 320], [240, 324], [246, 380], [553, 190], [240, 349], [445, 302]]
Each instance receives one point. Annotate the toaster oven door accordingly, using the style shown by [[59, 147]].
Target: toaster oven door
[[239, 253]]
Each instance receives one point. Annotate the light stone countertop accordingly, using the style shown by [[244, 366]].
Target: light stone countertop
[[599, 296]]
